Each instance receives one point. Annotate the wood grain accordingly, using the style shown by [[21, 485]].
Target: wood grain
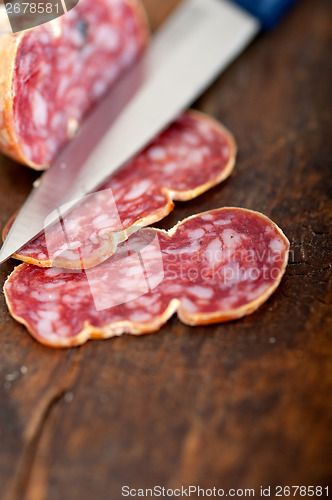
[[236, 405]]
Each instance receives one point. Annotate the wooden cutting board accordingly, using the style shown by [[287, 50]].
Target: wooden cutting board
[[236, 405]]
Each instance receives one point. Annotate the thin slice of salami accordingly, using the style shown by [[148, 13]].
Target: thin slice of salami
[[212, 267], [192, 155], [51, 75]]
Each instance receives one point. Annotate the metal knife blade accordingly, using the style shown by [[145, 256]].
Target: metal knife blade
[[184, 57]]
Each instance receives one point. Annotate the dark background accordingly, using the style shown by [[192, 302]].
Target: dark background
[[234, 405]]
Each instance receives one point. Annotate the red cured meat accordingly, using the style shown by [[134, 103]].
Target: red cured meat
[[51, 75], [192, 155], [212, 267]]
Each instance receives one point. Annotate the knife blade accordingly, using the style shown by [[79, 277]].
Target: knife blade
[[198, 41]]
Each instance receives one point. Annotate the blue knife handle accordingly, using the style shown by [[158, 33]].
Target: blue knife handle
[[269, 12]]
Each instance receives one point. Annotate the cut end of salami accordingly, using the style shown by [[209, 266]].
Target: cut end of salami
[[212, 267], [52, 75], [192, 155]]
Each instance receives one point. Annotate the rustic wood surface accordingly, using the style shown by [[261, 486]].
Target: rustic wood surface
[[236, 405]]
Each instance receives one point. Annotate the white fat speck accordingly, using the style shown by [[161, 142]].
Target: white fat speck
[[53, 272], [227, 303], [45, 70], [170, 167], [146, 301], [231, 238], [196, 156], [174, 250], [50, 315], [44, 37], [62, 88], [257, 292], [207, 217], [100, 221], [233, 274], [44, 326], [194, 246], [190, 138], [69, 299], [67, 254], [182, 151], [174, 289], [277, 245], [223, 222], [107, 37], [137, 190], [213, 252], [39, 109], [38, 296], [77, 38], [140, 317], [63, 331], [156, 153], [49, 286], [225, 151], [197, 233], [41, 256], [129, 53], [52, 336], [133, 271], [27, 149], [201, 292], [205, 130], [250, 274], [98, 88], [188, 305], [33, 315]]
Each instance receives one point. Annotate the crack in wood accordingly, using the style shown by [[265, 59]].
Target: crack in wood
[[34, 431], [310, 275]]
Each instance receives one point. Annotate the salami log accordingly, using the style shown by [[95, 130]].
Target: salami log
[[51, 75], [192, 155], [212, 267]]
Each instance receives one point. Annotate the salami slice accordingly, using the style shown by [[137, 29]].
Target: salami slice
[[5, 27], [192, 155], [51, 75], [212, 267]]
